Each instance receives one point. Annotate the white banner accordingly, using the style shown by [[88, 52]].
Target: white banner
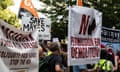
[[43, 25], [18, 50], [84, 35]]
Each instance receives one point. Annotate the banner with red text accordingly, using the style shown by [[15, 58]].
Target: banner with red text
[[84, 35], [18, 50]]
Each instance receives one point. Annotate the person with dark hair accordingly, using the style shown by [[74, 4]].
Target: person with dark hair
[[111, 54], [45, 44], [104, 65], [56, 61]]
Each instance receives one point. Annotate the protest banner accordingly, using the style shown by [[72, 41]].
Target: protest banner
[[84, 35], [111, 37], [32, 20], [18, 49], [43, 25]]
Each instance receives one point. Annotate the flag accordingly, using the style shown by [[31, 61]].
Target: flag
[[79, 2], [27, 9]]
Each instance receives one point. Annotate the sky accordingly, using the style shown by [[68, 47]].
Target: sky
[[15, 8]]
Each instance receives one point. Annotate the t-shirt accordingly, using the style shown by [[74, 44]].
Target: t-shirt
[[56, 59]]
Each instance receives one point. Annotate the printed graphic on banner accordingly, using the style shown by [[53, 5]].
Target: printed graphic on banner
[[17, 50], [27, 9], [41, 24], [84, 35]]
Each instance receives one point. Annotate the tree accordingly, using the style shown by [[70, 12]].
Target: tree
[[7, 15], [110, 10], [58, 12]]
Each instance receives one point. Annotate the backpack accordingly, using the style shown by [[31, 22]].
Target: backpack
[[44, 64]]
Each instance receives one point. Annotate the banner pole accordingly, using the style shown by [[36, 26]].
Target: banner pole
[[79, 3]]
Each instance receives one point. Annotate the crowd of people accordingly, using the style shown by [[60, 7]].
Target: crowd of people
[[109, 61], [58, 63]]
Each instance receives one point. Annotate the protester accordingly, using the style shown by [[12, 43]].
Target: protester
[[45, 44], [111, 54], [91, 66], [48, 46], [104, 65], [64, 54], [56, 62]]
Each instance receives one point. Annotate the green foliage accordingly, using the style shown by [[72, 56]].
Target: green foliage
[[5, 3], [7, 15], [110, 10], [58, 11], [59, 8]]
